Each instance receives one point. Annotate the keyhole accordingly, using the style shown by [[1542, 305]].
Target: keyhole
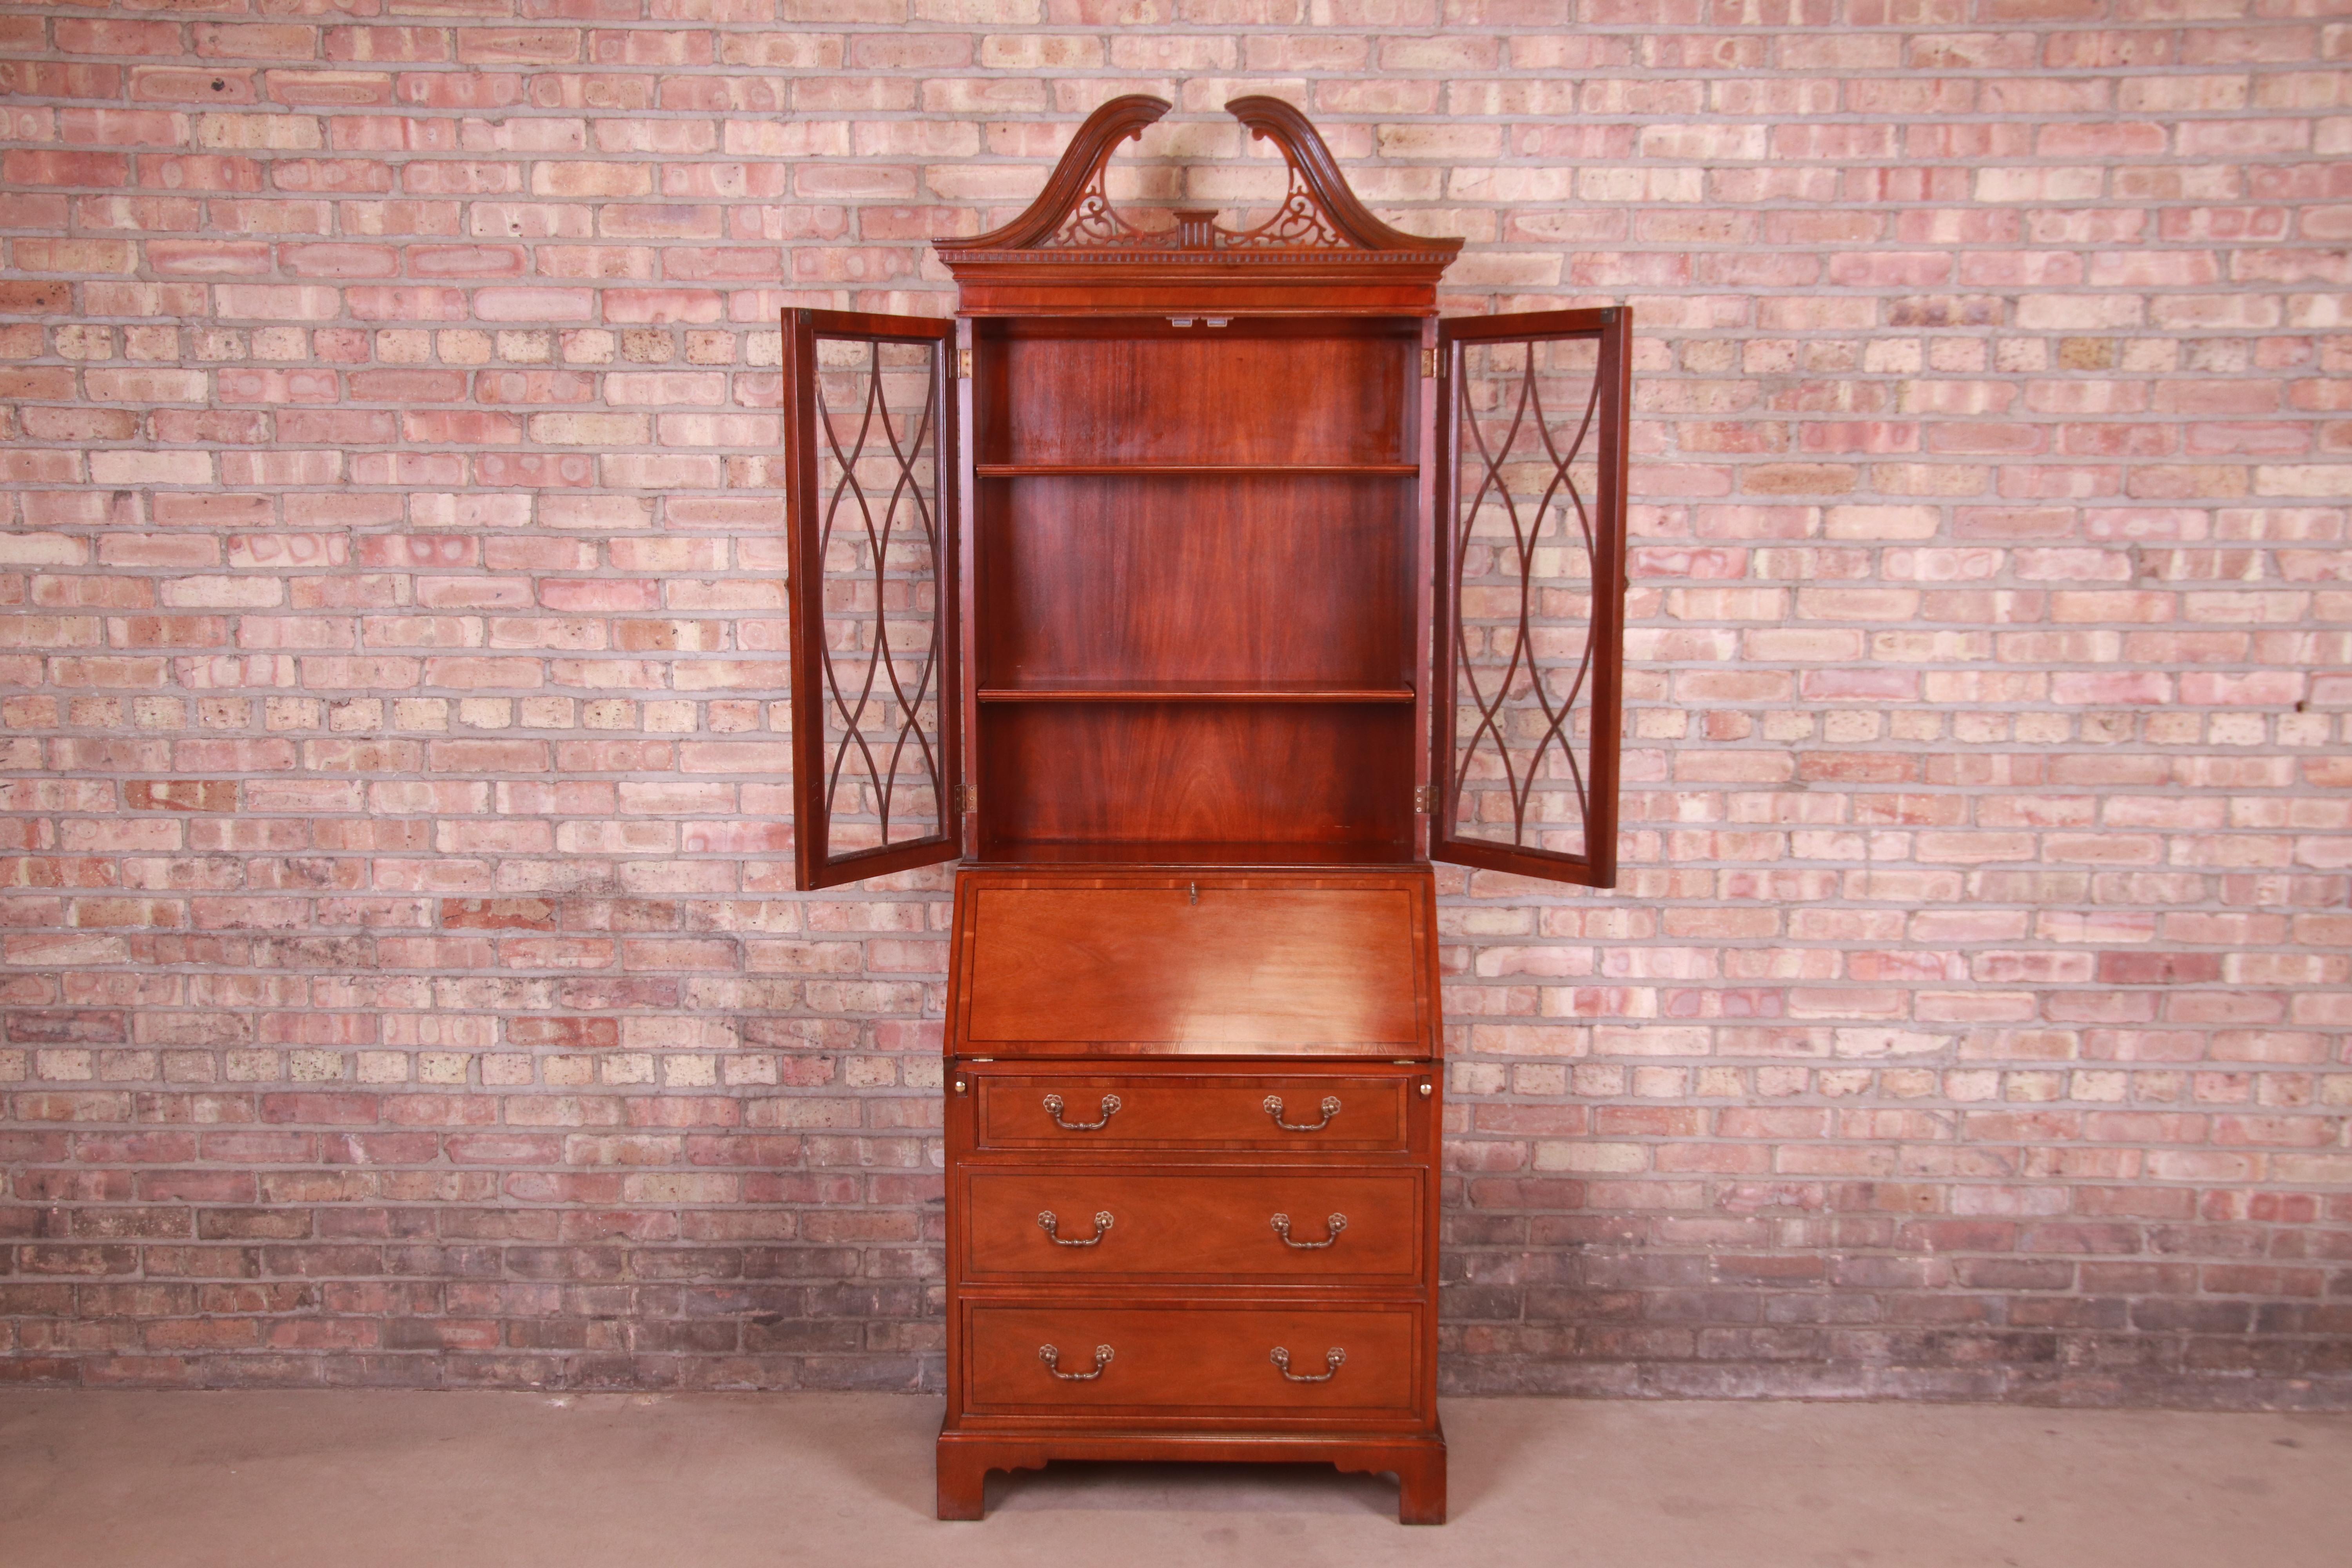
[[1196, 891]]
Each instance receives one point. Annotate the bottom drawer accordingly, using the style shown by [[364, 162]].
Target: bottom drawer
[[1172, 1359]]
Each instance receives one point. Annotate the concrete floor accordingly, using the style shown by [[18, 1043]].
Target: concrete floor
[[518, 1481]]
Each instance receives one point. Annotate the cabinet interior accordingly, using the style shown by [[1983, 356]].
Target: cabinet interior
[[1193, 604]]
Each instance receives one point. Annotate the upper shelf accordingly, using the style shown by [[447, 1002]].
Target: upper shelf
[[1189, 471], [1119, 690]]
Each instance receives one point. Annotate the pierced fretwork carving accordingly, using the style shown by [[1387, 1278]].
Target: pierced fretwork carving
[[1298, 223], [1094, 221], [1317, 214]]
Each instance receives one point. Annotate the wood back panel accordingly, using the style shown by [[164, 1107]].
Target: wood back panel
[[1205, 771], [1251, 392], [1254, 578], [1225, 969]]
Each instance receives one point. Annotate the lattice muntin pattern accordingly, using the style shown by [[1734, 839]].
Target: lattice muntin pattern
[[878, 508], [1527, 476]]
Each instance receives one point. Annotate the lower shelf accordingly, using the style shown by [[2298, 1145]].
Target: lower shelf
[[1192, 692], [1249, 774]]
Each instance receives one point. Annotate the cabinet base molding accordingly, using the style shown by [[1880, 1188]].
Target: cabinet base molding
[[1418, 1461]]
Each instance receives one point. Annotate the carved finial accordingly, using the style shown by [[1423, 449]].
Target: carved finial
[[1196, 227]]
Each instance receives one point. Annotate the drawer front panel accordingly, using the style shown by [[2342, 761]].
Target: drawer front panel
[[1172, 1111], [1166, 1360], [1196, 1225]]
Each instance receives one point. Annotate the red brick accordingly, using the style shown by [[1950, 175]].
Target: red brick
[[417, 790]]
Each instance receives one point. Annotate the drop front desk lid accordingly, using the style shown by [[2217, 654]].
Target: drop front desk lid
[[1194, 965]]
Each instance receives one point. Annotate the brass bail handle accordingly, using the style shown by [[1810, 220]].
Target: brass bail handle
[[1052, 1360], [1330, 1107], [1333, 1225], [1054, 1103], [1333, 1359], [1046, 1221]]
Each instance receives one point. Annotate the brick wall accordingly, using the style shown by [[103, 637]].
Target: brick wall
[[402, 979]]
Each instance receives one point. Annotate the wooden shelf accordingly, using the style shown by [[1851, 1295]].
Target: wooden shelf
[[1193, 470], [1191, 691], [1277, 855]]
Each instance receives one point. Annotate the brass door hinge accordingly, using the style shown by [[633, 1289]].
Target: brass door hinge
[[967, 797], [964, 365], [1424, 799], [1428, 363]]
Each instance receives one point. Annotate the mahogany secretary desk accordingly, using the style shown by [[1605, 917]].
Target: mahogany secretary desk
[[1195, 587]]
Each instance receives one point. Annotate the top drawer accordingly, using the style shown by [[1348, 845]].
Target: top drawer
[[1296, 1113]]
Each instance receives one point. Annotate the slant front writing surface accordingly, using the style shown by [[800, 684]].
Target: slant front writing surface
[[1253, 967]]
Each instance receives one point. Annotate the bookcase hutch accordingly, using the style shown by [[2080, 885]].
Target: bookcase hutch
[[1195, 587]]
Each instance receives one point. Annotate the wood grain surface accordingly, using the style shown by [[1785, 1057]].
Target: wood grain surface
[[1191, 1112], [1167, 1224], [1108, 775], [1229, 967], [1249, 578], [1158, 394], [1192, 1357]]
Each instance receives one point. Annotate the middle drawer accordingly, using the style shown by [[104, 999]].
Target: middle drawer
[[1263, 1224]]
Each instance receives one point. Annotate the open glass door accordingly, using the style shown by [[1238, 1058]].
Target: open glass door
[[869, 437], [1530, 588]]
